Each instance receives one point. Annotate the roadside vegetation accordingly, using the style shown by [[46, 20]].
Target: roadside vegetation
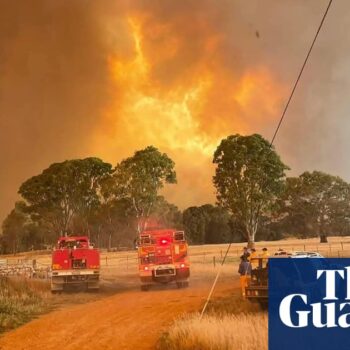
[[230, 332], [20, 301], [229, 324]]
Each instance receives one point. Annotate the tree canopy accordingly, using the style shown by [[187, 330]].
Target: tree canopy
[[139, 179], [207, 224], [249, 175], [87, 196], [316, 203], [64, 190]]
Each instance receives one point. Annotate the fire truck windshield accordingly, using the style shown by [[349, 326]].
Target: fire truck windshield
[[71, 244]]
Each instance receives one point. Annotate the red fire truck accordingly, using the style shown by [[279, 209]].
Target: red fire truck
[[75, 262], [163, 257]]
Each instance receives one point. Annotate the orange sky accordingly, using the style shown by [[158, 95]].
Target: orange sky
[[188, 117], [104, 78]]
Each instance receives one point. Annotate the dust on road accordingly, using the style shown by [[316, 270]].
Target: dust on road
[[129, 319]]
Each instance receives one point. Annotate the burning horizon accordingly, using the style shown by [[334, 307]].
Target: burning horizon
[[186, 118]]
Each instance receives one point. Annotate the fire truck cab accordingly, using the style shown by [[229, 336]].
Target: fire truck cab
[[163, 258]]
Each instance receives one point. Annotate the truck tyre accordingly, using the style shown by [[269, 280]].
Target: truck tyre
[[185, 284], [56, 288], [179, 284], [145, 287], [182, 284], [55, 291], [92, 287]]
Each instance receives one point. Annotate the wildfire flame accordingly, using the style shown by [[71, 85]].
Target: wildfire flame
[[188, 117]]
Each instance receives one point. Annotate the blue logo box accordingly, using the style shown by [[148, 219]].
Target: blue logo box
[[309, 304]]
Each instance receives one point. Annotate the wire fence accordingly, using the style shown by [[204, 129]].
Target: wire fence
[[206, 255], [24, 267]]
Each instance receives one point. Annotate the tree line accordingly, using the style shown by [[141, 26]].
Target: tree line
[[255, 200]]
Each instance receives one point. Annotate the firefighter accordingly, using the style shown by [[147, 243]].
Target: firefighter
[[265, 255], [246, 253], [254, 259], [244, 270]]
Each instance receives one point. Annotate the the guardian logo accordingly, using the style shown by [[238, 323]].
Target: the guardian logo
[[309, 304], [326, 309]]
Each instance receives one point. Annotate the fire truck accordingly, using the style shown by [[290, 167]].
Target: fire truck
[[75, 262], [258, 286], [257, 289], [163, 258]]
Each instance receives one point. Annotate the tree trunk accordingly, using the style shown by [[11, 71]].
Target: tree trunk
[[323, 238], [110, 242], [250, 244], [251, 239], [323, 235]]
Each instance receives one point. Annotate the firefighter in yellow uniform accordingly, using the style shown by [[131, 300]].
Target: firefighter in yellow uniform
[[254, 259], [265, 255]]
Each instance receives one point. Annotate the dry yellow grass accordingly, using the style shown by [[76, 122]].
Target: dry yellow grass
[[228, 332], [20, 300], [230, 323]]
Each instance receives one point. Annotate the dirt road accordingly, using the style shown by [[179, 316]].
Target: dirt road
[[129, 319]]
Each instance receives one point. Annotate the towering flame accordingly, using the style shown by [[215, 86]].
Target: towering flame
[[186, 117], [166, 117]]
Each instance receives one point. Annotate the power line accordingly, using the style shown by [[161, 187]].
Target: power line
[[300, 73], [215, 281], [272, 141]]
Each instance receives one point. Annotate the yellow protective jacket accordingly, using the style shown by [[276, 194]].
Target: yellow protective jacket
[[265, 256], [254, 260]]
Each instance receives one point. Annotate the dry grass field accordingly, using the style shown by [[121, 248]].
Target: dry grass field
[[229, 332], [21, 300], [230, 323]]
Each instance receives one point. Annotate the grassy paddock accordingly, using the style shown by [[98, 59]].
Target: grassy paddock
[[229, 323], [20, 301], [238, 332]]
